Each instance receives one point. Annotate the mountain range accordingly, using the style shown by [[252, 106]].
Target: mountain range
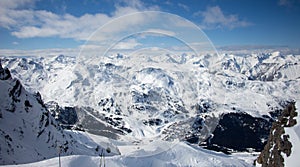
[[221, 102]]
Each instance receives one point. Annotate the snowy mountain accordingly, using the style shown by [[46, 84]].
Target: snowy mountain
[[28, 132], [208, 100]]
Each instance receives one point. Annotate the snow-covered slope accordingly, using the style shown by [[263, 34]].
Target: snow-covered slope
[[167, 97], [28, 132], [180, 155], [145, 98], [50, 75], [138, 100]]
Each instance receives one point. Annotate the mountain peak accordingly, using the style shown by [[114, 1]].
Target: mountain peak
[[4, 73], [28, 130]]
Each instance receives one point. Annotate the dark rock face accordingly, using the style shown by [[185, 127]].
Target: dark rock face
[[278, 142], [239, 131], [88, 119], [153, 122], [204, 106], [194, 130], [275, 112], [65, 116], [4, 73], [91, 120]]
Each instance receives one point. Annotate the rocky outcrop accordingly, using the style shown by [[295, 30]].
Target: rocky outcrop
[[278, 142], [65, 116], [4, 73]]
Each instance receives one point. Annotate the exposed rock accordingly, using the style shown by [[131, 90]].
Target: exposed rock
[[153, 122], [194, 130], [4, 73], [278, 142], [65, 116], [94, 122]]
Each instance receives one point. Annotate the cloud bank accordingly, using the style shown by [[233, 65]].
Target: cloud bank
[[214, 18], [23, 21]]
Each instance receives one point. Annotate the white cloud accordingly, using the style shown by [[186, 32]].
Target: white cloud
[[128, 44], [12, 4], [214, 18], [28, 23], [288, 3], [132, 3], [12, 15], [39, 52], [169, 3], [284, 2], [66, 26], [183, 6]]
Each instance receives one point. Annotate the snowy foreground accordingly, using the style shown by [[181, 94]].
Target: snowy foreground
[[180, 154], [162, 153]]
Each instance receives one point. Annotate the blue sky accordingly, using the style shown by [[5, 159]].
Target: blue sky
[[46, 24]]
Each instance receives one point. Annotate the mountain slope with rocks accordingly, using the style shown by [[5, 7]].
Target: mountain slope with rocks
[[28, 132], [205, 100]]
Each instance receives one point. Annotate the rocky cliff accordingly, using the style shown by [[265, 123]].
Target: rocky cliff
[[278, 141]]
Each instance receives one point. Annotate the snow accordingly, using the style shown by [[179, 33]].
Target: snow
[[180, 155], [29, 133], [248, 83], [248, 157]]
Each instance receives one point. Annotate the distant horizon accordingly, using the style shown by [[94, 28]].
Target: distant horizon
[[234, 49]]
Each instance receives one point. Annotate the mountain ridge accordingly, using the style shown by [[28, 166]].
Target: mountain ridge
[[188, 101], [28, 131]]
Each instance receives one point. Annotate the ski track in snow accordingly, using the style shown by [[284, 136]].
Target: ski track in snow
[[180, 155]]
